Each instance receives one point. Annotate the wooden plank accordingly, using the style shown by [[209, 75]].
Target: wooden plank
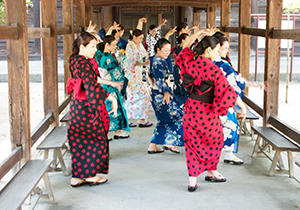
[[189, 3], [64, 30], [97, 2], [285, 34], [211, 15], [64, 103], [9, 32], [253, 105], [80, 14], [13, 195], [77, 29], [225, 16], [7, 164], [272, 60], [18, 78], [55, 139], [253, 31], [285, 128], [68, 21], [65, 118], [41, 128], [230, 29], [244, 41], [50, 69], [36, 33]]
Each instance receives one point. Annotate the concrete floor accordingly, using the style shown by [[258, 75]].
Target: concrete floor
[[140, 181]]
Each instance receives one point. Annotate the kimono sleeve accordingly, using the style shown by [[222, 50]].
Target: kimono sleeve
[[182, 60], [225, 96], [236, 81], [93, 90], [158, 71]]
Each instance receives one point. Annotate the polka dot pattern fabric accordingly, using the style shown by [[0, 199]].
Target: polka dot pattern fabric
[[203, 131], [88, 123]]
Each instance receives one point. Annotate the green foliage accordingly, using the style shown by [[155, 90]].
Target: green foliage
[[291, 6], [29, 4]]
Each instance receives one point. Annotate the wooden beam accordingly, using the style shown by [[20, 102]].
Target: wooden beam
[[18, 78], [189, 3], [9, 32], [225, 16], [230, 29], [244, 40], [68, 22], [64, 30], [10, 161], [197, 19], [116, 2], [36, 33], [88, 13], [50, 69], [80, 14], [285, 34], [272, 60], [211, 15], [253, 31]]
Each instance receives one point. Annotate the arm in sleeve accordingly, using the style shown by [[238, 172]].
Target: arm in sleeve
[[158, 72], [183, 58]]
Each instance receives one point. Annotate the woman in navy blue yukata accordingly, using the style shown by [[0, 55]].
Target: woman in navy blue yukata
[[169, 130]]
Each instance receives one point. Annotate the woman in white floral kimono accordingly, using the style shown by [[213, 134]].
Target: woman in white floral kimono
[[138, 101]]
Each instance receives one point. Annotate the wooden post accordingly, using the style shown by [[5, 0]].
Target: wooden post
[[107, 18], [211, 13], [159, 18], [225, 15], [36, 22], [50, 69], [68, 20], [18, 77], [244, 40], [80, 14], [272, 60], [196, 19], [88, 13]]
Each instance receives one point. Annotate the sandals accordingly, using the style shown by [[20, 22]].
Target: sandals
[[147, 124], [97, 182], [121, 136], [78, 183], [234, 161], [172, 149], [215, 179], [192, 188], [132, 125], [155, 151]]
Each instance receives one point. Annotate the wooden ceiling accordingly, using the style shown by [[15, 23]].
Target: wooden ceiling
[[192, 3]]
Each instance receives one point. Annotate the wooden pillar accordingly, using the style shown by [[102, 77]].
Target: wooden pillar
[[225, 15], [18, 77], [68, 21], [50, 69], [211, 13], [272, 60], [36, 23], [196, 19], [80, 14], [107, 16], [88, 13], [187, 15], [244, 40]]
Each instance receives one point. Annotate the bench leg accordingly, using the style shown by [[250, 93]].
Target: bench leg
[[274, 163], [251, 131], [61, 161], [48, 187], [291, 164], [256, 145], [46, 153]]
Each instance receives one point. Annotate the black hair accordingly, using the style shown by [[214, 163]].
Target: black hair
[[181, 26], [160, 44], [114, 32], [107, 39], [121, 27], [151, 27], [136, 33], [218, 34], [220, 38], [182, 36], [83, 39], [208, 41]]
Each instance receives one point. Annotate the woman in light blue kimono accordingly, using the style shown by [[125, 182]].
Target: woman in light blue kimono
[[230, 122], [109, 69], [169, 130]]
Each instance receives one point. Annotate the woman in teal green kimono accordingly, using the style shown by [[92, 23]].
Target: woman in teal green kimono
[[110, 70]]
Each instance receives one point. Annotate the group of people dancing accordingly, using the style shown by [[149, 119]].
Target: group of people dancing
[[195, 112]]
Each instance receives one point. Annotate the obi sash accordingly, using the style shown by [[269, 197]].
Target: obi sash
[[200, 90], [75, 85]]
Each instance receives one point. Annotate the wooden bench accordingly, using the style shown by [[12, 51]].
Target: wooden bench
[[65, 118], [281, 138], [250, 116], [56, 140], [24, 182]]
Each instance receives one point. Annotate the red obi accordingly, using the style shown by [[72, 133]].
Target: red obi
[[74, 85]]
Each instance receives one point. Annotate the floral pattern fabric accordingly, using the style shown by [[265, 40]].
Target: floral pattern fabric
[[138, 101], [230, 123], [151, 41], [169, 128], [108, 62]]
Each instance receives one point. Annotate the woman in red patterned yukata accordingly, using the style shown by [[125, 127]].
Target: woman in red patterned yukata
[[210, 96], [89, 121]]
